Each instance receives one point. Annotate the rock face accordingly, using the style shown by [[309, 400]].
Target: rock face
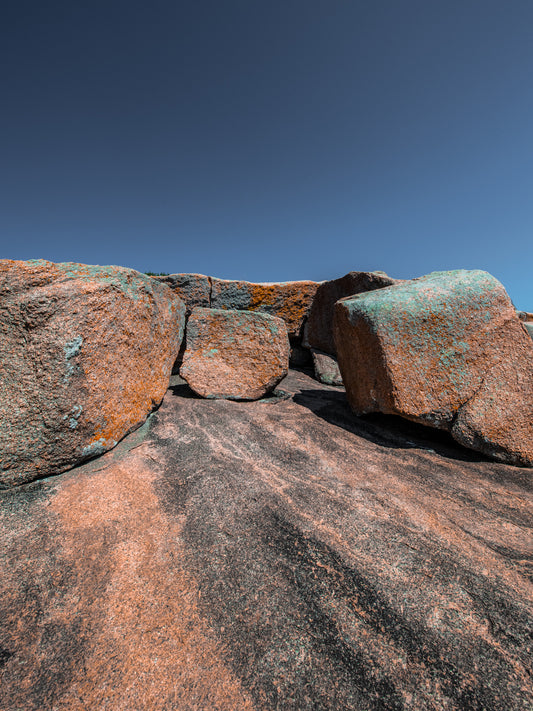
[[447, 350], [237, 355], [290, 300], [247, 556], [86, 353], [318, 330], [326, 368], [193, 289]]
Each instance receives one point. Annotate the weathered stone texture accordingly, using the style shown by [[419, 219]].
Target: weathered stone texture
[[237, 355], [250, 556], [289, 300], [447, 350], [326, 368], [193, 289], [86, 353], [318, 330]]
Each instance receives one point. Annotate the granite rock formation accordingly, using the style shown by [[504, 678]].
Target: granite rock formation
[[253, 556], [86, 354], [193, 289], [239, 355], [289, 300], [447, 350], [318, 330]]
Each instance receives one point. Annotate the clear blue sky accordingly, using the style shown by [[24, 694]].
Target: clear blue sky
[[270, 140]]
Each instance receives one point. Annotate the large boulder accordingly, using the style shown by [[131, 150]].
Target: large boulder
[[289, 300], [446, 350], [318, 329], [236, 355], [193, 289], [86, 353]]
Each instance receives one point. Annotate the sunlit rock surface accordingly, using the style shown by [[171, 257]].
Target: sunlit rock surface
[[447, 350], [238, 355], [85, 354], [277, 554]]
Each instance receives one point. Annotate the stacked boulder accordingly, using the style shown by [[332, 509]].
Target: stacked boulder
[[447, 350], [235, 355], [290, 301], [86, 354], [318, 330]]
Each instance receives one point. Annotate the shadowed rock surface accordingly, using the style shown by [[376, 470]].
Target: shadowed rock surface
[[318, 329], [278, 554], [193, 289], [326, 368], [85, 354]]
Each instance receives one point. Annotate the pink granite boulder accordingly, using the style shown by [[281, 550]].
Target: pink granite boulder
[[446, 350], [235, 355], [86, 354]]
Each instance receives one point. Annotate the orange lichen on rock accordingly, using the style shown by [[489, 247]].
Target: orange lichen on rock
[[86, 354], [237, 355], [289, 300]]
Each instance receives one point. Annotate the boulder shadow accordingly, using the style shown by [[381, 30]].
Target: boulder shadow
[[385, 430]]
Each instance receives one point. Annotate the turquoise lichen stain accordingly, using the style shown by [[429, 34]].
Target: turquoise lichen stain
[[430, 321], [73, 416], [72, 349], [212, 352], [98, 447]]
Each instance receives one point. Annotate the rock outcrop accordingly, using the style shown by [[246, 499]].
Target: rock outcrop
[[86, 353], [318, 330], [289, 300], [447, 350], [193, 289], [237, 355], [252, 556]]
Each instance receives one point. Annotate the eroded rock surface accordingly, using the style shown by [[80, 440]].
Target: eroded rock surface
[[289, 300], [238, 355], [85, 355], [447, 350], [318, 329], [231, 556]]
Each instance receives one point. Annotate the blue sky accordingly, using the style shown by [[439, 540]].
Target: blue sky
[[270, 140]]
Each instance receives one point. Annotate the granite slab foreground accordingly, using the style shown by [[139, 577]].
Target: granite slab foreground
[[278, 554]]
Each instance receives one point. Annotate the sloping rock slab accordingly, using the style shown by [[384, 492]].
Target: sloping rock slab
[[447, 350], [231, 556], [85, 354], [193, 289], [326, 368], [238, 355], [289, 300], [318, 329]]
